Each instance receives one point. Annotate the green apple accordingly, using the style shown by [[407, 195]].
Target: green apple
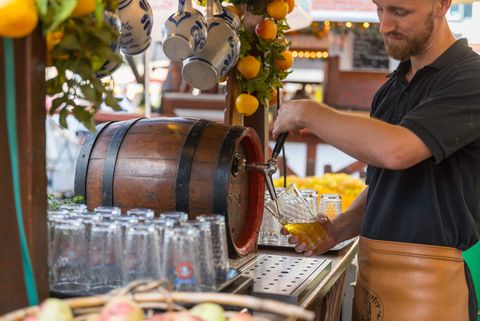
[[208, 312], [54, 310]]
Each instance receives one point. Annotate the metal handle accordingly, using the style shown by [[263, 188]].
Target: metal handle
[[279, 144]]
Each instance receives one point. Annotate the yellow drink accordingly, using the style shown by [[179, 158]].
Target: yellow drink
[[307, 233]]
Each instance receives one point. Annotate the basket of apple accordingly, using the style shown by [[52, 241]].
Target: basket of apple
[[161, 305]]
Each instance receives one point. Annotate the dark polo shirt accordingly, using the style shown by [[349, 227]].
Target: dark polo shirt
[[437, 201]]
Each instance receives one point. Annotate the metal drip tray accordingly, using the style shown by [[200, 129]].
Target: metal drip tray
[[285, 278]]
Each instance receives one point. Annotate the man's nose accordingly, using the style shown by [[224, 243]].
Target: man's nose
[[387, 23]]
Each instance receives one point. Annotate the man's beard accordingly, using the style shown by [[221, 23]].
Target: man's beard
[[409, 47]]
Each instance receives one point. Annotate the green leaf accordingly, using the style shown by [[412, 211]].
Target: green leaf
[[57, 102], [99, 9], [63, 117], [42, 6], [70, 42], [63, 12], [88, 92]]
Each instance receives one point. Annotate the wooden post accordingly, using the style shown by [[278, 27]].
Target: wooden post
[[232, 117], [30, 97]]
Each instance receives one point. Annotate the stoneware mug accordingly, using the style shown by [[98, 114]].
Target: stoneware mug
[[110, 66], [184, 33], [221, 51], [137, 22]]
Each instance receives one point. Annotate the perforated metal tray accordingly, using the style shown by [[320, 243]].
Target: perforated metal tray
[[285, 278]]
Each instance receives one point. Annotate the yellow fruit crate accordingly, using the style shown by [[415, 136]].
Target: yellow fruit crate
[[332, 183]]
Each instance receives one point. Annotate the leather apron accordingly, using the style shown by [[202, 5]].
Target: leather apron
[[405, 281]]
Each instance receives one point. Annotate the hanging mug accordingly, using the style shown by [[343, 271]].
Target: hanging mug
[[110, 65], [221, 50], [137, 22], [184, 33]]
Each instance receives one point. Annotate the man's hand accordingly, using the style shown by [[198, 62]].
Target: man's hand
[[319, 246]]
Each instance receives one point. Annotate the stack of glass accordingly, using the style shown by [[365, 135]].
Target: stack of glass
[[270, 228], [94, 252]]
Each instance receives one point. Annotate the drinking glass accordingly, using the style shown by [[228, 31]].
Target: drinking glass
[[174, 216], [68, 257], [108, 211], [125, 222], [296, 216], [219, 244], [141, 213], [204, 254], [141, 255], [311, 197], [74, 208], [104, 257], [179, 261], [331, 205], [270, 228]]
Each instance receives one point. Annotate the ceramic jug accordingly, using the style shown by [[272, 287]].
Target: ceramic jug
[[221, 50], [137, 22], [184, 33]]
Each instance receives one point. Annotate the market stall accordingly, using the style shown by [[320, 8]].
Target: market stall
[[201, 158]]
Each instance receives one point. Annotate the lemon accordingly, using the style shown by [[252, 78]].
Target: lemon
[[249, 67], [246, 104]]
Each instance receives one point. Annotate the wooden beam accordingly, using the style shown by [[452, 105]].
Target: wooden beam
[[30, 97]]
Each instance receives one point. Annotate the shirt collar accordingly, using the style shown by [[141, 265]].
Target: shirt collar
[[453, 53]]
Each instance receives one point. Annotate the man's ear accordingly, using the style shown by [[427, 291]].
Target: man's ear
[[441, 7]]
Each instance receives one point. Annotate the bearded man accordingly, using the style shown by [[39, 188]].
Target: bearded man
[[422, 144]]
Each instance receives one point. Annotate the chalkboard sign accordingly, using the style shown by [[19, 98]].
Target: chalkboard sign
[[369, 51]]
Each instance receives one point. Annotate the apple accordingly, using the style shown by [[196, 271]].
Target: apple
[[93, 317], [54, 310], [241, 316], [175, 316], [121, 309], [208, 312]]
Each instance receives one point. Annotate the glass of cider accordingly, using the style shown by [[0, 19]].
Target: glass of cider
[[296, 216]]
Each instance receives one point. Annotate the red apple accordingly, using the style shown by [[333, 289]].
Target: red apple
[[121, 309], [239, 316]]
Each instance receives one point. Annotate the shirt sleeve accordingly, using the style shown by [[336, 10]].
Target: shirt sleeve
[[450, 118]]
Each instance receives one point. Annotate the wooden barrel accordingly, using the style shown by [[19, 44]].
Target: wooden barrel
[[177, 164]]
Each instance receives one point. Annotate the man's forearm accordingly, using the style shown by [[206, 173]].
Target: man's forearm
[[349, 223], [370, 140]]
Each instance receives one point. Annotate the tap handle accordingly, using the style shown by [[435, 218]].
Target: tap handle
[[279, 144]]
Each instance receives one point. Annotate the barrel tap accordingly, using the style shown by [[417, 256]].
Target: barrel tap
[[270, 167]]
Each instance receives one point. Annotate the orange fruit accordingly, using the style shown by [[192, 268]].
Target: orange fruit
[[234, 9], [52, 39], [286, 62], [266, 29], [246, 104], [277, 9], [19, 18], [291, 5], [84, 7], [273, 99], [249, 67]]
